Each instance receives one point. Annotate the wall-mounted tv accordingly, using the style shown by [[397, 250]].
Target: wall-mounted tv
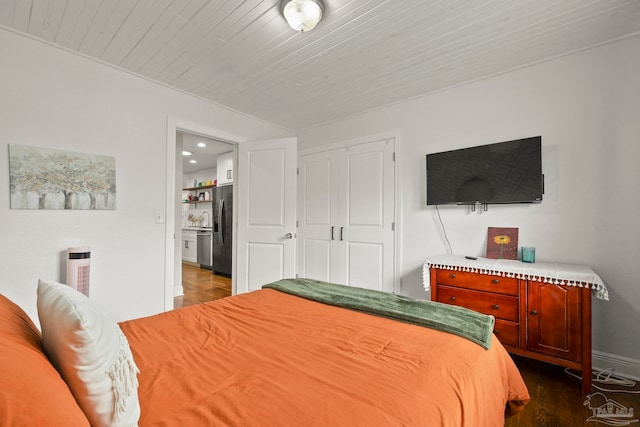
[[504, 172]]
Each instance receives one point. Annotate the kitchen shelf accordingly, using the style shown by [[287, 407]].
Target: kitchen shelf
[[196, 190]]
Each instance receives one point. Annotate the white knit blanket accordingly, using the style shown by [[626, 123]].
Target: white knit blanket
[[546, 272]]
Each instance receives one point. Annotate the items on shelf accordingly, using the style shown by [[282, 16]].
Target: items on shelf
[[200, 193]]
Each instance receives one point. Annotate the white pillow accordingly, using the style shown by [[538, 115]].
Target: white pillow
[[91, 353]]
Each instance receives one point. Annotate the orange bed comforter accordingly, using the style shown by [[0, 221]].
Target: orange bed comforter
[[267, 358]]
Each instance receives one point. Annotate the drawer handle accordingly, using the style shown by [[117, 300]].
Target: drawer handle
[[495, 331], [496, 306], [534, 313], [452, 298], [495, 281], [452, 276]]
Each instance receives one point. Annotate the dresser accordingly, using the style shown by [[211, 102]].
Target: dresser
[[541, 310]]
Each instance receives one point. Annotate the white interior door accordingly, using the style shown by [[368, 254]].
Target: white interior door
[[266, 188], [318, 185], [365, 255], [346, 221]]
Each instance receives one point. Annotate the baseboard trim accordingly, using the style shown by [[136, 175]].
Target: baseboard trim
[[622, 366], [178, 291]]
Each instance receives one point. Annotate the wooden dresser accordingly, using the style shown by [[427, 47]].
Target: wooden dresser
[[541, 317]]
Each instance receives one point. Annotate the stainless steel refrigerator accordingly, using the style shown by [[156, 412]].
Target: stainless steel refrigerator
[[222, 229]]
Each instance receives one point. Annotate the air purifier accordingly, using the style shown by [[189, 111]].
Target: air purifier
[[78, 260]]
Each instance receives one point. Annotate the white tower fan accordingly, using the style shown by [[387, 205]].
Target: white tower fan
[[78, 261]]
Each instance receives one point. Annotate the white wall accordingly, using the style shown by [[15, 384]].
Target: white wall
[[587, 108], [52, 98]]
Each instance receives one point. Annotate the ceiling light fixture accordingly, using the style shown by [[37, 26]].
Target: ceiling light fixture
[[302, 15], [201, 144], [186, 153], [193, 161]]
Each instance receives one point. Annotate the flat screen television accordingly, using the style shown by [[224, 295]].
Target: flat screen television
[[504, 172]]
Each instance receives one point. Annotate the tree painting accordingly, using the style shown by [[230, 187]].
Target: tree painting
[[42, 178]]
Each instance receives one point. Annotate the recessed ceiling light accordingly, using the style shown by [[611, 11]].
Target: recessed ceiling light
[[192, 161], [202, 144], [187, 153]]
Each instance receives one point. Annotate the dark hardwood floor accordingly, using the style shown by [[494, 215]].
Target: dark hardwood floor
[[200, 285], [556, 397]]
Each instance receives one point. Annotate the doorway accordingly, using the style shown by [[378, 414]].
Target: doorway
[[199, 224], [263, 193]]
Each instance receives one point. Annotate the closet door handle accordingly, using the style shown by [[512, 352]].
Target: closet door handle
[[341, 230], [332, 228]]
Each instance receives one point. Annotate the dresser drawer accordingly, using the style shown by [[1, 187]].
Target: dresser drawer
[[507, 332], [500, 306], [481, 282]]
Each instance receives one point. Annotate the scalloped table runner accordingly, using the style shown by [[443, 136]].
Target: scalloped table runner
[[546, 272]]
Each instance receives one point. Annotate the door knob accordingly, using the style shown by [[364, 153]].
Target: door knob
[[288, 236]]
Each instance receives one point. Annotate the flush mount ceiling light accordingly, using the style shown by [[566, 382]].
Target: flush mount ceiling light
[[201, 144], [186, 153], [302, 15]]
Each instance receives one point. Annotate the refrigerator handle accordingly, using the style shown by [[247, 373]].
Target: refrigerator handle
[[220, 221], [216, 219]]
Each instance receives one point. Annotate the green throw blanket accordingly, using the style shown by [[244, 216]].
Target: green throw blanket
[[465, 323]]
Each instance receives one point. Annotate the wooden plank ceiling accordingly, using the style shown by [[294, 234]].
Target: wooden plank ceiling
[[363, 55]]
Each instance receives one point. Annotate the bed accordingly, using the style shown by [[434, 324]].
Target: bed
[[268, 357]]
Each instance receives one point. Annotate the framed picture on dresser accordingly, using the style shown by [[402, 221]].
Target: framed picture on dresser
[[502, 243]]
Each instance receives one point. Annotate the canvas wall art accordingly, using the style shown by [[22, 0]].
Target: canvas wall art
[[44, 178], [502, 243]]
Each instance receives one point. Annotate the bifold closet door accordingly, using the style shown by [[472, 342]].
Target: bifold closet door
[[365, 250], [346, 215], [318, 183]]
